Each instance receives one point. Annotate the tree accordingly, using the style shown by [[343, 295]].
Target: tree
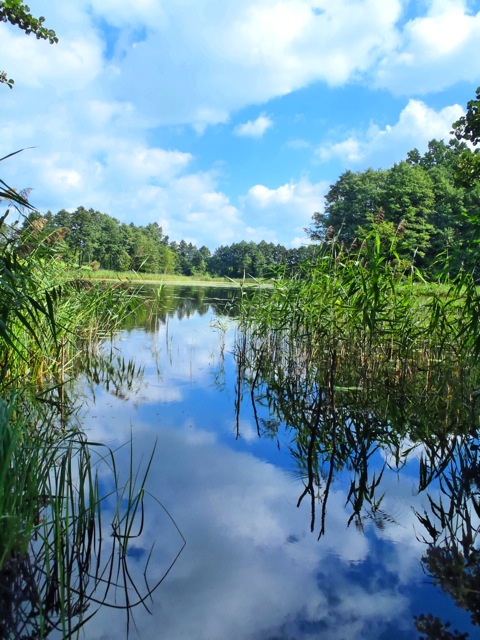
[[418, 204], [408, 201], [18, 14], [349, 203], [467, 128]]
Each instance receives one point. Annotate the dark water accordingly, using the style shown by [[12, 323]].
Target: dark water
[[251, 568]]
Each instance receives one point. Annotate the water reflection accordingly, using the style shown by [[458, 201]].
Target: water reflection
[[251, 568], [344, 414]]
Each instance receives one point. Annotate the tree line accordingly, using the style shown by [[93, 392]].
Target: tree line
[[421, 206], [425, 210], [86, 237]]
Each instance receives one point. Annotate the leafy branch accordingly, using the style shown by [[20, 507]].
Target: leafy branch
[[18, 14]]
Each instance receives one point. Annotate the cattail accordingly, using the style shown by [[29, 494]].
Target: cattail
[[380, 216], [24, 250]]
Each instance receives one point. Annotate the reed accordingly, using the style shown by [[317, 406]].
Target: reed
[[357, 354], [55, 567]]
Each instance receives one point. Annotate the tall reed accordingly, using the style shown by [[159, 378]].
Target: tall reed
[[357, 353], [55, 570]]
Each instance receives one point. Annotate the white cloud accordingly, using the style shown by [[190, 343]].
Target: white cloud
[[254, 128], [298, 143], [417, 124], [96, 119], [435, 51], [251, 568], [198, 67], [192, 208], [71, 64], [289, 206]]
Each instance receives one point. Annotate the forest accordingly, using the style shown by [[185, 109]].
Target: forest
[[420, 204], [88, 238]]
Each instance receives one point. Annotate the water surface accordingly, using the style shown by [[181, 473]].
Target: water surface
[[251, 567]]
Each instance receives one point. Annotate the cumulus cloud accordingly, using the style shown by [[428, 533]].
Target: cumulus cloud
[[416, 125], [254, 128], [95, 106], [223, 57], [191, 207], [435, 50], [290, 206]]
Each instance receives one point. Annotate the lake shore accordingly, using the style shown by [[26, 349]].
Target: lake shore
[[170, 279]]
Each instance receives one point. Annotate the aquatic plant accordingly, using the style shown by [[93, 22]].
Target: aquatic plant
[[357, 354], [56, 567]]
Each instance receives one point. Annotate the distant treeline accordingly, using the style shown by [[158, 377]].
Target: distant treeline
[[418, 208], [89, 238]]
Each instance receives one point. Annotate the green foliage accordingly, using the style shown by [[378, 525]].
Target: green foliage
[[356, 354], [467, 128], [18, 14], [262, 260], [46, 318], [53, 564], [88, 236], [417, 203]]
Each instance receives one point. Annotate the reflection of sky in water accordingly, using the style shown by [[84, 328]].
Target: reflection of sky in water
[[251, 568]]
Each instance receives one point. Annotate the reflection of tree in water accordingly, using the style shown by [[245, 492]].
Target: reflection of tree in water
[[342, 412], [452, 559], [182, 302]]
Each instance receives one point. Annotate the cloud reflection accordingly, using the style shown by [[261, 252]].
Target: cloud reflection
[[251, 568]]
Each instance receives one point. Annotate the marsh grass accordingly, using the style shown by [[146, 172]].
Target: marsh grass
[[48, 322], [56, 568], [357, 354]]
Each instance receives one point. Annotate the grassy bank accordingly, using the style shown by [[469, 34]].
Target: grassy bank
[[162, 279]]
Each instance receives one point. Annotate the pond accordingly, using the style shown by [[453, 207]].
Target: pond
[[222, 533]]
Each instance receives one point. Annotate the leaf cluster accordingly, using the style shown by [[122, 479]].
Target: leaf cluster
[[418, 202], [18, 14]]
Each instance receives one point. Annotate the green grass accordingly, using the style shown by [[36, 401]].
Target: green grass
[[154, 278]]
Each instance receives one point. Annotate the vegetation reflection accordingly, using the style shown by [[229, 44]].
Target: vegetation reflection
[[58, 564], [371, 366]]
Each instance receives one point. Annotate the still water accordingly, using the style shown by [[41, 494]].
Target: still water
[[250, 568]]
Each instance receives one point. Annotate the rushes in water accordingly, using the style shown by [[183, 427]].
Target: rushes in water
[[358, 353], [55, 567]]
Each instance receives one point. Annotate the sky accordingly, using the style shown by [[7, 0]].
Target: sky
[[227, 120]]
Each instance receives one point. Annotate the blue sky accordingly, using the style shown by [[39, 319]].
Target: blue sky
[[227, 120]]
